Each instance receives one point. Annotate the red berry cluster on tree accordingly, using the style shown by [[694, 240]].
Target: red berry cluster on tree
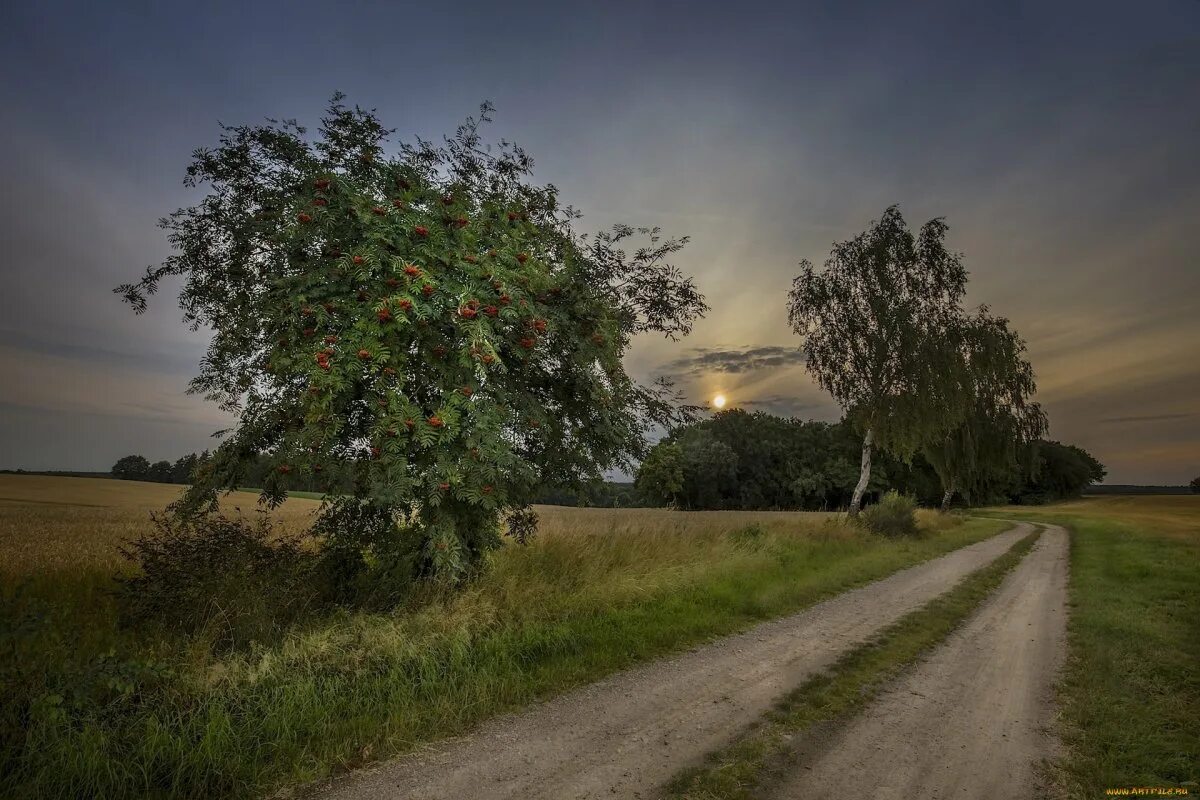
[[452, 298]]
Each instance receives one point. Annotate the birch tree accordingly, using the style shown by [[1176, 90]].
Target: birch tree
[[1000, 417], [878, 324]]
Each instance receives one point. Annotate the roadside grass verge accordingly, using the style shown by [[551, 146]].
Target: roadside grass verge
[[739, 770], [112, 713], [1130, 694]]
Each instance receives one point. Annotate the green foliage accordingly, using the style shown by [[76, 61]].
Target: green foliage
[[593, 494], [758, 461], [131, 468], [877, 325], [660, 475], [982, 453], [424, 327], [1055, 472], [160, 472], [710, 465], [739, 460], [232, 581], [137, 468], [893, 516]]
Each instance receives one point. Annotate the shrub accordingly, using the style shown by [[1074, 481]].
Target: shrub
[[894, 515], [233, 580], [368, 559]]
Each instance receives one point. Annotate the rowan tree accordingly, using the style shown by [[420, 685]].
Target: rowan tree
[[878, 327], [420, 323]]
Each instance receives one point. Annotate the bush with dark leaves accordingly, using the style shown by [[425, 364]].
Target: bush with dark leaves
[[893, 516], [367, 558], [230, 579], [522, 525]]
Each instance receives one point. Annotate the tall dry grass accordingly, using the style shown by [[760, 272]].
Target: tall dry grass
[[61, 527], [597, 590]]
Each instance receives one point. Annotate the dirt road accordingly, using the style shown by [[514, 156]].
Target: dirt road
[[969, 722], [628, 734]]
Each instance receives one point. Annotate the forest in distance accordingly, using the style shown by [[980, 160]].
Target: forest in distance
[[737, 460]]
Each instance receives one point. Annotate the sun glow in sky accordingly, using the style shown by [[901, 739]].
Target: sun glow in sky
[[1084, 237], [719, 402]]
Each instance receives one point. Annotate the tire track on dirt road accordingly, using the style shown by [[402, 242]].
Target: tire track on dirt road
[[972, 720], [626, 735]]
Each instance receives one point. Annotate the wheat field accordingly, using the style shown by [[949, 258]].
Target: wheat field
[[597, 590]]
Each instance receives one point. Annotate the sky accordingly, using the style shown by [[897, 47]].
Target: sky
[[1059, 140]]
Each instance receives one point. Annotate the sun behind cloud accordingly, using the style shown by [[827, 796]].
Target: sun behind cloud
[[719, 402]]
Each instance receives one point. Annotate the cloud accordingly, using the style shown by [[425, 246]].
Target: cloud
[[181, 361], [1095, 266], [1145, 418], [784, 405], [705, 360]]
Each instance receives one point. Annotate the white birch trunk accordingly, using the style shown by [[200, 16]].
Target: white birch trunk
[[946, 498], [864, 476]]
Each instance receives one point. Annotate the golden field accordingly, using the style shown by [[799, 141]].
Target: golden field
[[156, 712], [51, 524], [54, 525]]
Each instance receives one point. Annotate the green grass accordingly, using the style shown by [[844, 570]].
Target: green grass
[[170, 719], [737, 772], [1130, 695], [301, 495]]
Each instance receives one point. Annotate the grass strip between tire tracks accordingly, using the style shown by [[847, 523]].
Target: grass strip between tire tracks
[[735, 772]]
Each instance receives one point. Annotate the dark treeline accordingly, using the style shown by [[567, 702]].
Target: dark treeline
[[139, 468], [182, 471], [737, 460], [1128, 488], [600, 494]]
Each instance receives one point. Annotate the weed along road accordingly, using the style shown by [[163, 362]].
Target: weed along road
[[970, 721], [627, 735]]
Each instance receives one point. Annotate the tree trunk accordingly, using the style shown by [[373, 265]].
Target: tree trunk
[[947, 497], [864, 476]]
